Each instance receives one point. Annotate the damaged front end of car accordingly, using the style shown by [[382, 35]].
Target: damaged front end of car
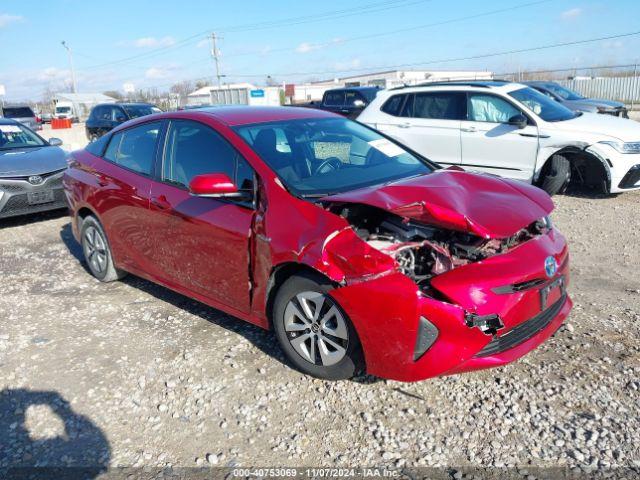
[[436, 287]]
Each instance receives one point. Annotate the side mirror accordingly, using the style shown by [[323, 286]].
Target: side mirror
[[358, 103], [518, 120], [55, 142], [215, 185]]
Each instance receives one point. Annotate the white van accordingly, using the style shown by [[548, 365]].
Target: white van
[[65, 110]]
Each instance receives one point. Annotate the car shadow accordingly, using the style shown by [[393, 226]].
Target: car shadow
[[42, 437], [28, 219], [581, 191], [264, 340]]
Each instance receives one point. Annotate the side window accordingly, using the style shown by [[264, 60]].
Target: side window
[[135, 148], [334, 99], [439, 105], [392, 105], [351, 97], [117, 114], [194, 149], [490, 108]]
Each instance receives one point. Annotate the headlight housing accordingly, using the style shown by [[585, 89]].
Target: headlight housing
[[624, 147]]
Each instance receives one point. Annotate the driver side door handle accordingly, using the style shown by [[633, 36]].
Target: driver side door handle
[[469, 129], [404, 125]]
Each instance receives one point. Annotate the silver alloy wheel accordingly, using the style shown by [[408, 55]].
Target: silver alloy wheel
[[95, 250], [316, 329]]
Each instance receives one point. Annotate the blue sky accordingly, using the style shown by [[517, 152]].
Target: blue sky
[[157, 42]]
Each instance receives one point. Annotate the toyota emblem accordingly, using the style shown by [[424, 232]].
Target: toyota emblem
[[35, 180]]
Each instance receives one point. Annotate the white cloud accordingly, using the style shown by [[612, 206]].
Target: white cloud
[[571, 13], [148, 42], [354, 63], [305, 47], [6, 19], [161, 72]]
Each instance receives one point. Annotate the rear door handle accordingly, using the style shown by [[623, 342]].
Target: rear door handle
[[469, 129], [404, 125], [161, 202]]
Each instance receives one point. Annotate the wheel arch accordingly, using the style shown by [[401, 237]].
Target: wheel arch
[[580, 157], [281, 273]]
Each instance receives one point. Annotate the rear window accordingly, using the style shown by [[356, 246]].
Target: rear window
[[135, 111], [17, 112]]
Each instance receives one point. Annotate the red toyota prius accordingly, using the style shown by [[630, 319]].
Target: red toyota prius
[[359, 253]]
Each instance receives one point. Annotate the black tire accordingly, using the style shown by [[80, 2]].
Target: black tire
[[350, 355], [96, 250], [555, 175]]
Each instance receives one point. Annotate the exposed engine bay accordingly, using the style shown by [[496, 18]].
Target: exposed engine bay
[[424, 251]]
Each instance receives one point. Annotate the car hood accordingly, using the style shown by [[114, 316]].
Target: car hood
[[483, 205], [602, 125], [593, 103], [31, 161]]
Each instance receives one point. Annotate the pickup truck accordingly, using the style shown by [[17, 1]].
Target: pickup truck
[[347, 101]]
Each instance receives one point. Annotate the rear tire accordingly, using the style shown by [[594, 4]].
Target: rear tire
[[314, 333], [97, 253], [555, 175]]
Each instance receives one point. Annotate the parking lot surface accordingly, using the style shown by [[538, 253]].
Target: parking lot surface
[[131, 374]]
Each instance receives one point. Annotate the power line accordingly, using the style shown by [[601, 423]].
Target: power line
[[429, 62], [330, 15], [455, 59], [402, 30], [380, 34]]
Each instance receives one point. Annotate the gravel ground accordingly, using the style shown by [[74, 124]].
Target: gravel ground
[[131, 374]]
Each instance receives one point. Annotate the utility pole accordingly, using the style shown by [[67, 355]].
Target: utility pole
[[73, 73], [216, 54]]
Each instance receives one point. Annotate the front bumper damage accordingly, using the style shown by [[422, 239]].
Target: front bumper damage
[[481, 315]]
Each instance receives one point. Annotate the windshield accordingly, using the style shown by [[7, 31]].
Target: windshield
[[63, 109], [563, 92], [18, 136], [318, 157], [547, 109], [135, 111], [17, 112]]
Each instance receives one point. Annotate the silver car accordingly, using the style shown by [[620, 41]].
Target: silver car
[[23, 114], [31, 171], [577, 102]]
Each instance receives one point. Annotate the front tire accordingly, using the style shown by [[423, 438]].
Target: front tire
[[314, 333], [556, 175], [97, 252]]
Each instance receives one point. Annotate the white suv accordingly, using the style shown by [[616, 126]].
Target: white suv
[[511, 130]]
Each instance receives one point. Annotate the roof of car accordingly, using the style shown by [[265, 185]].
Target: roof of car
[[540, 83], [244, 115], [359, 89], [501, 85]]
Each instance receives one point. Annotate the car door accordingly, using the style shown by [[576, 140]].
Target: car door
[[202, 244], [123, 182], [429, 123], [489, 143]]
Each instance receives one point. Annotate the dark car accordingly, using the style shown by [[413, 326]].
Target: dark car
[[577, 102], [348, 101], [106, 116], [359, 253], [31, 171]]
